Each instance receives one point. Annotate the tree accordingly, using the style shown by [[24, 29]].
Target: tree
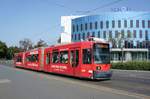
[[113, 42], [40, 43], [11, 51], [3, 49], [119, 43], [26, 44], [59, 40]]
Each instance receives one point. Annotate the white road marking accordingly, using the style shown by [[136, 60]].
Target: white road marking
[[4, 81]]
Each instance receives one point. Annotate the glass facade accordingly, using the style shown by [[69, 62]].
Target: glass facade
[[134, 28]]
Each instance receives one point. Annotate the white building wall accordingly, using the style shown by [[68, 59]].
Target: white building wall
[[66, 28]]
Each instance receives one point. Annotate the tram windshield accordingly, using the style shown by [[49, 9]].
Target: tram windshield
[[101, 53]]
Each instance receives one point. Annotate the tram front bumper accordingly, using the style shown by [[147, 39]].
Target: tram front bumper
[[102, 74]]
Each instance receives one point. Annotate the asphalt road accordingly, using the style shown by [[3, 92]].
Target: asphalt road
[[24, 84], [131, 81]]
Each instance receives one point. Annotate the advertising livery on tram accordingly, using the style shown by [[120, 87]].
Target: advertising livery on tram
[[87, 59]]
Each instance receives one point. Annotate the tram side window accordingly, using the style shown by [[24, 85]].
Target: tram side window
[[87, 56], [64, 57], [36, 58], [71, 57], [48, 58], [32, 58], [55, 57], [28, 58], [19, 59], [74, 58], [77, 57]]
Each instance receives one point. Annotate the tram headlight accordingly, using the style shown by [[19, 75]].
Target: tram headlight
[[98, 68]]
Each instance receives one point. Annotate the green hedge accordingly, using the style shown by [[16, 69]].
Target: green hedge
[[132, 65]]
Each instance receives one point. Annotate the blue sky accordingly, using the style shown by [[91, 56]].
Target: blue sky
[[40, 19]]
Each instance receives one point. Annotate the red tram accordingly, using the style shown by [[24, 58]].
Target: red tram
[[87, 59]]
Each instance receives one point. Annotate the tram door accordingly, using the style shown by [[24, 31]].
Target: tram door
[[74, 62]]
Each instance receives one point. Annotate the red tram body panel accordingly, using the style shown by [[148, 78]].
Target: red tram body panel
[[33, 59], [88, 59], [19, 59]]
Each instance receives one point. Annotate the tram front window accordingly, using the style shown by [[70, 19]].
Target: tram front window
[[101, 53]]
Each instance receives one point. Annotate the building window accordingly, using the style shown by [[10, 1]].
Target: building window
[[138, 44], [122, 33], [134, 33], [101, 24], [125, 23], [146, 35], [107, 24], [95, 25], [143, 23], [91, 25], [113, 24], [129, 34], [119, 23], [137, 23], [81, 27], [88, 34], [131, 23], [93, 34], [86, 27], [104, 34], [148, 23], [125, 43], [140, 34], [145, 43], [73, 28], [72, 36], [110, 34], [75, 37], [131, 44], [99, 35], [77, 28], [141, 44], [116, 34], [83, 36], [64, 57], [79, 37]]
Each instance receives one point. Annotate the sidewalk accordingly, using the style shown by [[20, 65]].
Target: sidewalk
[[7, 62], [132, 73]]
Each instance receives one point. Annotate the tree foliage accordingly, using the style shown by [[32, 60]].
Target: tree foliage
[[11, 51], [26, 44], [3, 50], [40, 43]]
